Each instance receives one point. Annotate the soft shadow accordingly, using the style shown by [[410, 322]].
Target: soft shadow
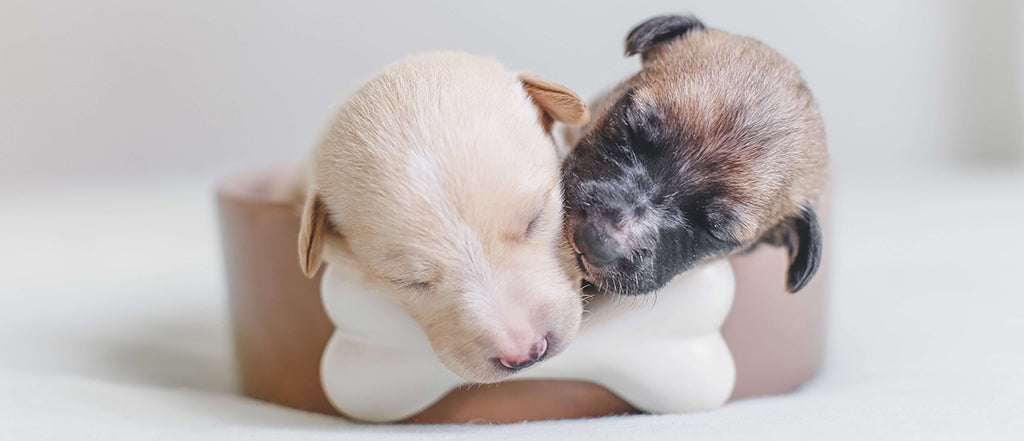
[[186, 358]]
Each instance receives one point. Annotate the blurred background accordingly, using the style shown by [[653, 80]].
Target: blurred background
[[127, 87], [117, 118]]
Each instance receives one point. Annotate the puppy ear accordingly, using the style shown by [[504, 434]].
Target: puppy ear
[[659, 29], [642, 119], [311, 234], [555, 101], [801, 235]]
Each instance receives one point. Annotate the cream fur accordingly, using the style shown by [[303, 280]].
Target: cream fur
[[428, 178]]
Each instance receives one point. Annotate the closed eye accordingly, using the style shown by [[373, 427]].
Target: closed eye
[[536, 219], [419, 286], [413, 285], [531, 227], [719, 222]]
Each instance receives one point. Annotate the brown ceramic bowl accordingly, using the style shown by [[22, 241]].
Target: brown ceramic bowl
[[280, 329]]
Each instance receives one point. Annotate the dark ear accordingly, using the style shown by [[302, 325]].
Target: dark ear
[[311, 234], [642, 119], [644, 123], [555, 101], [801, 235], [659, 29]]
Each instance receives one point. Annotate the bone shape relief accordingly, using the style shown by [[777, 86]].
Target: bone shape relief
[[666, 357]]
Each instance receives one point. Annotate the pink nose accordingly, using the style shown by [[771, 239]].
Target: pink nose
[[525, 359]]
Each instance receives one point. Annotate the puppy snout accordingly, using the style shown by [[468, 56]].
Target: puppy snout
[[599, 248], [525, 358]]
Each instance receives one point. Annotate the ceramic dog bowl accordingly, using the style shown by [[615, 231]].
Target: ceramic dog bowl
[[776, 339]]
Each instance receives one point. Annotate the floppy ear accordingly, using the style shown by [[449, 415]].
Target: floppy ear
[[657, 30], [555, 101], [801, 235], [311, 234]]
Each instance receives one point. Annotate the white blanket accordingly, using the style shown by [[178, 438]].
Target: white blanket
[[113, 324]]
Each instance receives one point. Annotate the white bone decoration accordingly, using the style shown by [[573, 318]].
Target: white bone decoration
[[662, 355]]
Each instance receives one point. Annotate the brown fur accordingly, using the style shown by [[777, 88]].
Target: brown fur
[[722, 133], [731, 92]]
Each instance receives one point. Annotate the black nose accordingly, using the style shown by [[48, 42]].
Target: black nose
[[595, 244]]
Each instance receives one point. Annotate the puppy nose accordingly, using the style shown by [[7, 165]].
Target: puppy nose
[[595, 244], [525, 360]]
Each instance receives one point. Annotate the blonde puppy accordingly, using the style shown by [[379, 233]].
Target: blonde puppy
[[437, 186]]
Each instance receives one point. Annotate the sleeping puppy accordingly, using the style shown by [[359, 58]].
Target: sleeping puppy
[[715, 146], [437, 186]]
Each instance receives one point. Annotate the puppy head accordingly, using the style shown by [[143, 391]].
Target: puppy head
[[439, 183], [716, 145]]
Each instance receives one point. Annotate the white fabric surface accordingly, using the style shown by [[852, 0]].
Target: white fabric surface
[[113, 324]]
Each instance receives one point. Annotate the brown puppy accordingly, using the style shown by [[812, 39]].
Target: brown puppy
[[716, 145]]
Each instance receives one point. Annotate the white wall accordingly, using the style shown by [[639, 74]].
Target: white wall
[[123, 86]]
